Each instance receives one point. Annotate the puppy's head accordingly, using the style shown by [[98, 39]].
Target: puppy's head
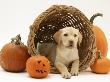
[[68, 37]]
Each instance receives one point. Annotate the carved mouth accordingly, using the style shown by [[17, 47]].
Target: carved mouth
[[40, 71]]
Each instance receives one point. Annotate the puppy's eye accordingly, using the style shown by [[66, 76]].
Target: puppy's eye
[[75, 35], [65, 34]]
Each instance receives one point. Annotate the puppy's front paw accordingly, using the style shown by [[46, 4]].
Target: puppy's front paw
[[66, 75], [74, 72]]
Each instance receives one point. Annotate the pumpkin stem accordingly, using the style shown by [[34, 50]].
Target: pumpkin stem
[[17, 40], [94, 16], [99, 54]]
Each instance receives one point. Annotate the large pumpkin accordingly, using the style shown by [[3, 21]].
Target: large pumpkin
[[14, 55], [38, 66], [101, 41]]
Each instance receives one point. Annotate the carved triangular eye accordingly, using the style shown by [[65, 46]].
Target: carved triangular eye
[[43, 64], [39, 61]]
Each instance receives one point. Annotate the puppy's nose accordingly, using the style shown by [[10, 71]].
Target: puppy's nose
[[71, 42]]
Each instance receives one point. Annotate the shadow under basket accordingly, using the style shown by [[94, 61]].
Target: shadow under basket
[[58, 17]]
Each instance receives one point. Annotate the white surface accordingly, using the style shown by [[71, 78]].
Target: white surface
[[17, 15], [86, 76]]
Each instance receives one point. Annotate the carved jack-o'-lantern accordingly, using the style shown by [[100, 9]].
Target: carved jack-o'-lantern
[[38, 66]]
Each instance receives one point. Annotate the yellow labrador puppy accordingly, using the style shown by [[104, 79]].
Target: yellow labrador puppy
[[66, 51]]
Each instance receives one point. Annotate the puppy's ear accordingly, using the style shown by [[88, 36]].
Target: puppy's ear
[[79, 39], [57, 36]]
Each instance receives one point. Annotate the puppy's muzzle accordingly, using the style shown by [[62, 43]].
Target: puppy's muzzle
[[71, 43]]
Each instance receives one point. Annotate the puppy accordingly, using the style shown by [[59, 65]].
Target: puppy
[[66, 51]]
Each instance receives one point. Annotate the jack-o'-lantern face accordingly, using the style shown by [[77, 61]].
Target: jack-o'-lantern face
[[38, 66]]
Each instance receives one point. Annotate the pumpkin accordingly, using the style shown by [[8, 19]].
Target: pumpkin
[[101, 41], [0, 58], [14, 55], [101, 65], [38, 66]]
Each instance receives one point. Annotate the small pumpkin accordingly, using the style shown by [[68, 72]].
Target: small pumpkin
[[38, 66], [14, 55], [101, 41], [101, 65]]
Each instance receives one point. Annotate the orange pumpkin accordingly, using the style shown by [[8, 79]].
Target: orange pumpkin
[[14, 56], [38, 66], [101, 65], [101, 41], [0, 58]]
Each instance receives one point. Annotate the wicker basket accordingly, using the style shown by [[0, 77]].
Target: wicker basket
[[57, 17]]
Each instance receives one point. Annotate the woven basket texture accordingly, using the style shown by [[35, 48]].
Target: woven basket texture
[[58, 17]]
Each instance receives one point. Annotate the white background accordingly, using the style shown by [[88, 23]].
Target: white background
[[17, 15]]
